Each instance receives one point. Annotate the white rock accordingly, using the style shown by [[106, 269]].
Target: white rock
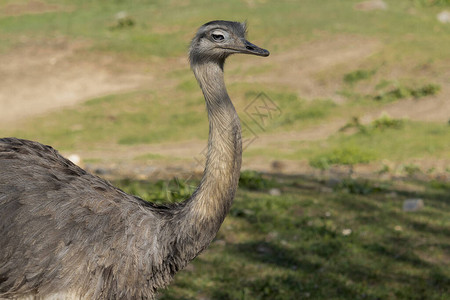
[[444, 17], [75, 158], [413, 204], [274, 192], [121, 15], [346, 231]]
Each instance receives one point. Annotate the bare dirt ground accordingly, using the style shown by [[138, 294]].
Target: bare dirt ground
[[298, 67], [30, 7], [37, 78]]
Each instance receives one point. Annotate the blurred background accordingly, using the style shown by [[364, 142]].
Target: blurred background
[[345, 188]]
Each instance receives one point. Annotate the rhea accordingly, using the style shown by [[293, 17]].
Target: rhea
[[68, 234]]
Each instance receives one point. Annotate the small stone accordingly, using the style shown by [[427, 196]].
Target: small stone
[[274, 192], [412, 205], [75, 158], [121, 15], [443, 17], [327, 214], [371, 5], [346, 231]]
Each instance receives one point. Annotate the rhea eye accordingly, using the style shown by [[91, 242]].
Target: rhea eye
[[218, 37]]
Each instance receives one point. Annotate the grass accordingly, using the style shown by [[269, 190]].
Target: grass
[[93, 20], [402, 92], [358, 75], [134, 118], [342, 156], [394, 140], [298, 245], [414, 140]]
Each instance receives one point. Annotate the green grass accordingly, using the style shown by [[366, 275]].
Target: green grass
[[402, 92], [358, 75], [293, 247], [400, 141], [128, 119], [342, 156], [413, 140], [290, 23]]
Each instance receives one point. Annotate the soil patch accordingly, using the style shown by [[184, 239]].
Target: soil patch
[[30, 7], [37, 78], [298, 67]]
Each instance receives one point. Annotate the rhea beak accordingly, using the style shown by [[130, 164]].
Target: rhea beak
[[250, 48]]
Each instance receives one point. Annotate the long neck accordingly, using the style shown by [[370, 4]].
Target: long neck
[[205, 211], [215, 194]]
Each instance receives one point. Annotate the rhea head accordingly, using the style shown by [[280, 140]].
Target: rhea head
[[216, 40]]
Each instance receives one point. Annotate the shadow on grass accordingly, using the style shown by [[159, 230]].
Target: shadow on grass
[[292, 254]]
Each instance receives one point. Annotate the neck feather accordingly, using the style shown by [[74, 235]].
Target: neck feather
[[223, 161], [205, 211]]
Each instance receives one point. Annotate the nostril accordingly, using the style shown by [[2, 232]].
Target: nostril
[[249, 48]]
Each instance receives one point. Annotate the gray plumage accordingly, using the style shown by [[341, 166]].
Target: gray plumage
[[67, 234]]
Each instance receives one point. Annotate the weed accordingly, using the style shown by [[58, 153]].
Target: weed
[[384, 169], [411, 169], [393, 94], [402, 92], [386, 122], [123, 20], [426, 90], [359, 187], [358, 75], [382, 123], [162, 191], [253, 180], [349, 155], [354, 123], [383, 84]]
